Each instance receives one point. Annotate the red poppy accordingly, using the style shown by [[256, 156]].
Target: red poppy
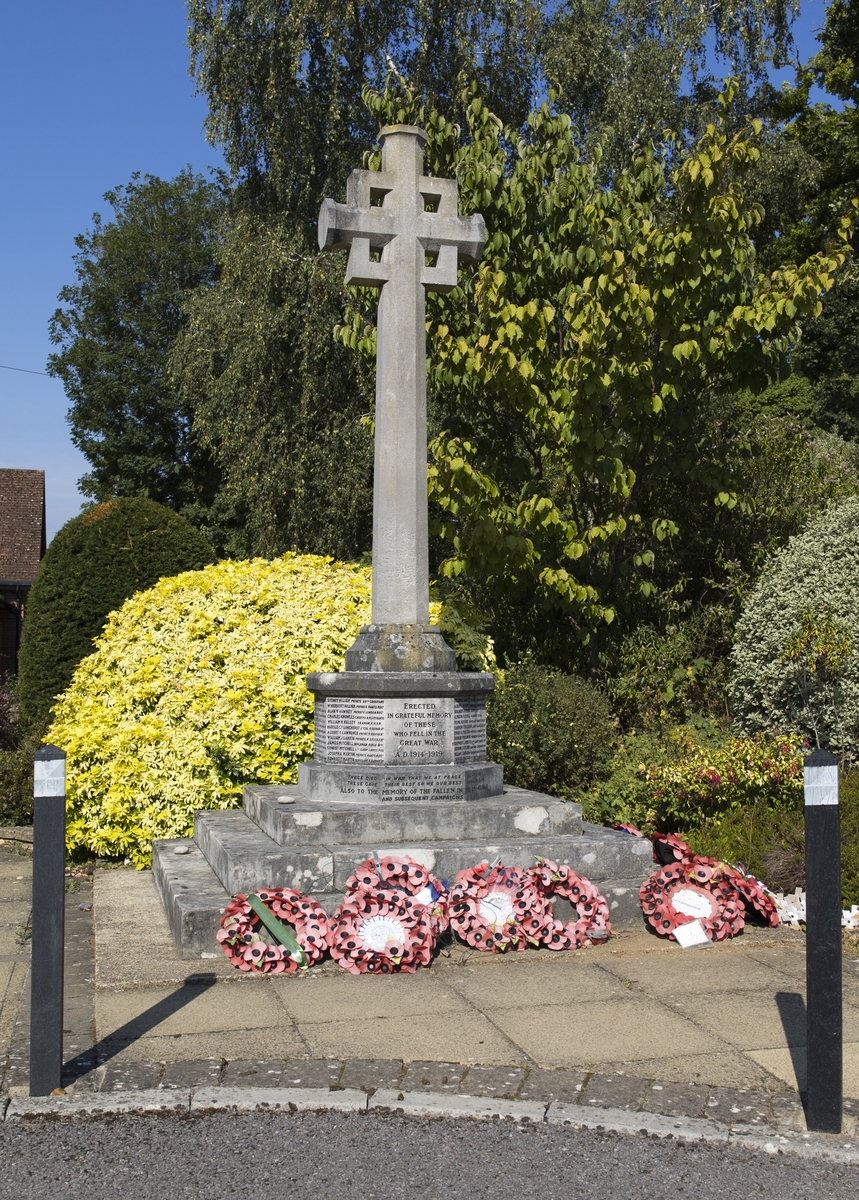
[[498, 908], [241, 932], [592, 922]]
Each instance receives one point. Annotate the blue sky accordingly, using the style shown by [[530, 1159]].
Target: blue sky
[[89, 93]]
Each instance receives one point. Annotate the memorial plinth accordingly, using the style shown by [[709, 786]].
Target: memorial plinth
[[399, 762], [400, 736]]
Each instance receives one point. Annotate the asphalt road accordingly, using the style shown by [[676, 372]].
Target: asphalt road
[[323, 1156]]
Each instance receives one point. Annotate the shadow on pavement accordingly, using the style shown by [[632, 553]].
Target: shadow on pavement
[[793, 1014], [105, 1049]]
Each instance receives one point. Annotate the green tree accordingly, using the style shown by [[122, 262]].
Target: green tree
[[807, 217], [283, 78], [276, 402], [115, 327], [95, 562], [827, 133], [622, 65], [571, 366]]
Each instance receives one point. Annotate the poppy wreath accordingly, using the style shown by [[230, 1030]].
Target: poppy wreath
[[683, 892], [669, 848], [592, 923], [379, 931], [628, 827], [243, 924], [404, 875], [498, 908], [754, 895]]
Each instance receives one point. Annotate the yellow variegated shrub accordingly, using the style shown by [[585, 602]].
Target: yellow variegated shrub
[[196, 687]]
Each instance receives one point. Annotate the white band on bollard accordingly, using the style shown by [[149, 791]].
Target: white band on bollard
[[49, 777], [821, 785]]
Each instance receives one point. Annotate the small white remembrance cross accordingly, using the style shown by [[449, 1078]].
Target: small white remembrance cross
[[412, 221]]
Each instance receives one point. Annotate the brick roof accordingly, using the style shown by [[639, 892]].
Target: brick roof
[[22, 524]]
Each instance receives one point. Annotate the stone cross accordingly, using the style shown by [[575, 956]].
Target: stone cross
[[404, 236]]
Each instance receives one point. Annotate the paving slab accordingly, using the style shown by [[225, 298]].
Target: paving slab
[[614, 1091], [279, 1042], [134, 942], [371, 1074], [542, 1084], [314, 1073], [470, 1038], [676, 1099], [194, 1008], [587, 1034], [122, 1076], [789, 1065], [527, 984], [739, 1105], [726, 1068], [204, 1072], [340, 997], [494, 1081], [429, 1076]]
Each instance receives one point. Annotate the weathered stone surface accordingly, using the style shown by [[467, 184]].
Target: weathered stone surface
[[400, 648], [368, 783], [614, 1091], [680, 1099], [432, 1076], [288, 817], [371, 1074], [192, 895], [405, 215], [243, 857], [401, 683], [558, 1084], [493, 1081]]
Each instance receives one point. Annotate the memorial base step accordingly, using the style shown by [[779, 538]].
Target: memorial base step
[[291, 819], [372, 783], [283, 839]]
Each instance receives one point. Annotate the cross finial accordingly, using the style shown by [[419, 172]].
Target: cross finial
[[404, 236]]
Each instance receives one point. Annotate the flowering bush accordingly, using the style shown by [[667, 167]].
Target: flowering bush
[[691, 775], [796, 653], [196, 687], [710, 780]]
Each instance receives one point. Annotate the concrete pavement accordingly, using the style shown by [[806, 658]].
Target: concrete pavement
[[637, 1025]]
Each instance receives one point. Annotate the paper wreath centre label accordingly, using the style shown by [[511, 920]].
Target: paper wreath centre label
[[381, 932], [692, 904], [496, 908]]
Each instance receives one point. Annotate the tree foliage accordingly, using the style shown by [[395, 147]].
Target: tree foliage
[[276, 402], [283, 78], [570, 366], [628, 71], [94, 563], [115, 327], [796, 655]]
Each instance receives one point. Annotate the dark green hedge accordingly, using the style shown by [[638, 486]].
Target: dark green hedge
[[551, 732], [94, 563]]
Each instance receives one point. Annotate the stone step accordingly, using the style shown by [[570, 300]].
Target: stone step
[[245, 858], [194, 898], [287, 816], [191, 893], [437, 783]]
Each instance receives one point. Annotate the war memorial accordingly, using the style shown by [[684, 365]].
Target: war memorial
[[399, 762]]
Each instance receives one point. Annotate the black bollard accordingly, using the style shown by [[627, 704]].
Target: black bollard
[[823, 942], [49, 910]]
